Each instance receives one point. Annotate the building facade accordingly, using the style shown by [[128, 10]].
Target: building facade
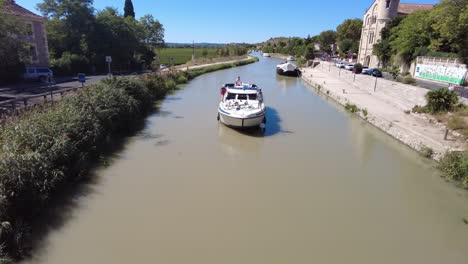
[[375, 19], [36, 35]]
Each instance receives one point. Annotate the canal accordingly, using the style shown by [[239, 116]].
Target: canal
[[320, 186]]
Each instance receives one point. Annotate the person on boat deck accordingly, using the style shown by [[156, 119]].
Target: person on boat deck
[[223, 91], [238, 81], [260, 98]]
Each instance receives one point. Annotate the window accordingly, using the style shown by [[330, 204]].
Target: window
[[33, 53], [387, 5], [30, 30], [252, 97], [371, 38], [42, 70], [230, 96], [241, 97]]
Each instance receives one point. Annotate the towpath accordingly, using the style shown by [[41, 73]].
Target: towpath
[[388, 106]]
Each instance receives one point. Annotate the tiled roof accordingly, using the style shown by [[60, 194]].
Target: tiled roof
[[12, 8], [410, 8]]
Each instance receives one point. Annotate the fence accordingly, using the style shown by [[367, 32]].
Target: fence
[[13, 105]]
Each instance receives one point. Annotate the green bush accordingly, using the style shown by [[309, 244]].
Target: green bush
[[426, 152], [419, 109], [357, 68], [170, 84], [404, 74], [351, 108], [442, 100], [454, 166], [70, 64], [409, 80], [365, 112], [181, 79], [394, 71]]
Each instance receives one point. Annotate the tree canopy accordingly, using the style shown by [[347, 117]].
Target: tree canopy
[[348, 35], [80, 37], [326, 39], [440, 31]]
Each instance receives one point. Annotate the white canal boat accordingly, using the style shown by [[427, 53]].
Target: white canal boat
[[242, 106]]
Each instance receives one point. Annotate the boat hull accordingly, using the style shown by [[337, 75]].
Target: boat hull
[[295, 73], [240, 122]]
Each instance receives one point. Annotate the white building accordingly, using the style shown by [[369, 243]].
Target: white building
[[375, 19]]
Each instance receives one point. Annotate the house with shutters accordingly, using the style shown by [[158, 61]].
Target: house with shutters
[[36, 35]]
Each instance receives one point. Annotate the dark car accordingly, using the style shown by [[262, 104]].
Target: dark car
[[372, 72]]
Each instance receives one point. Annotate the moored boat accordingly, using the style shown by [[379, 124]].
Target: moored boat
[[266, 55], [288, 69], [242, 106], [291, 58]]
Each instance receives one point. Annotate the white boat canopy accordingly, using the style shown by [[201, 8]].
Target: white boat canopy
[[287, 67]]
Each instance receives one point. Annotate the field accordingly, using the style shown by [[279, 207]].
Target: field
[[183, 55]]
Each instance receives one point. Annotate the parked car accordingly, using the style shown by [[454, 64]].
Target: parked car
[[340, 64], [372, 72], [349, 67], [163, 66], [365, 70], [38, 73]]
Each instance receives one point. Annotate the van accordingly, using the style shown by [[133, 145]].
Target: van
[[37, 73]]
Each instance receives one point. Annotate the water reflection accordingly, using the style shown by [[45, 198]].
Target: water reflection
[[235, 142], [286, 82]]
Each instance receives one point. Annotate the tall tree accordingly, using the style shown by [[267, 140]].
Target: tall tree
[[128, 9], [326, 39], [153, 31], [383, 49], [348, 35], [412, 34]]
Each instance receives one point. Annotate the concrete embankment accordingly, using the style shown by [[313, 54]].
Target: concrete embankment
[[388, 107]]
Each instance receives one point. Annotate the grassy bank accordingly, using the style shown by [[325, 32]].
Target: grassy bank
[[183, 55], [53, 147]]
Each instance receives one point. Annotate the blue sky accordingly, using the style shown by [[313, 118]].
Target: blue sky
[[219, 21]]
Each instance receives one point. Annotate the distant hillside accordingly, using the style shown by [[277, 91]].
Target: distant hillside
[[275, 40]]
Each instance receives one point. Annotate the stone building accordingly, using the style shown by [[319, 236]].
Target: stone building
[[36, 35], [375, 19]]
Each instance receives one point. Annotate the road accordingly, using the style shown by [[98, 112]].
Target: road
[[38, 88]]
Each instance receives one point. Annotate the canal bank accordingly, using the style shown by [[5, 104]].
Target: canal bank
[[386, 105], [320, 186]]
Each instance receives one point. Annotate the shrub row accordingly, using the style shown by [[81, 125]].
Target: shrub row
[[454, 166], [51, 147]]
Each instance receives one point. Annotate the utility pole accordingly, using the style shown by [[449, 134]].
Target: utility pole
[[193, 51], [375, 85]]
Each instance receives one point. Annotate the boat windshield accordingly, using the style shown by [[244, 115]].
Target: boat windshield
[[231, 96], [252, 97], [241, 97]]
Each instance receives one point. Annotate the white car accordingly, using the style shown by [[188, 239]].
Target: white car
[[349, 67], [38, 73], [162, 66], [340, 64], [366, 70]]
